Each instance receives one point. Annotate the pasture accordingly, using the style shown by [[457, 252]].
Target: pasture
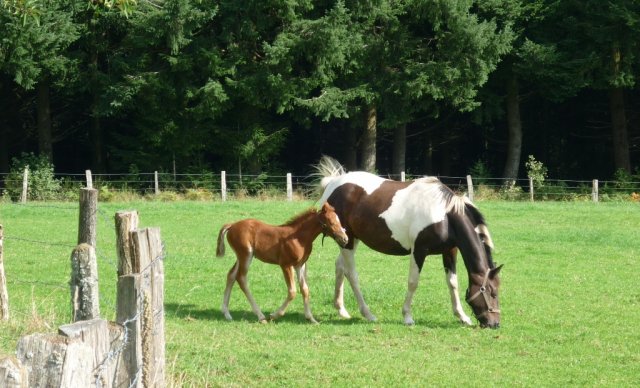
[[570, 300]]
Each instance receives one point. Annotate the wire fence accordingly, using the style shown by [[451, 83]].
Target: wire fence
[[40, 294], [213, 186]]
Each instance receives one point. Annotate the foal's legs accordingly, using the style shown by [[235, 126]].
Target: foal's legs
[[231, 278], [289, 278], [449, 262], [346, 266], [304, 289], [243, 269]]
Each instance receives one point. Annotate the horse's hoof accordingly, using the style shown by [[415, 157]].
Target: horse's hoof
[[263, 321], [313, 321], [371, 318], [409, 321], [466, 321], [344, 314]]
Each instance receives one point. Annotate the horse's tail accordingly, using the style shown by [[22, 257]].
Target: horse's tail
[[327, 169], [221, 235]]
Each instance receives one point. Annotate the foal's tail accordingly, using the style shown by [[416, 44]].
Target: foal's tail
[[221, 234]]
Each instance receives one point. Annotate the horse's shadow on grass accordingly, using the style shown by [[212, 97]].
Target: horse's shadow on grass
[[190, 311]]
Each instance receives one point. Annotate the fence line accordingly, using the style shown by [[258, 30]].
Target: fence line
[[222, 185]]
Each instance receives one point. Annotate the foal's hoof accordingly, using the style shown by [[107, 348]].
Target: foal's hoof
[[313, 321], [263, 321]]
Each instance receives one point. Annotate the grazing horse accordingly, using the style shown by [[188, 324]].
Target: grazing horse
[[288, 246], [421, 217]]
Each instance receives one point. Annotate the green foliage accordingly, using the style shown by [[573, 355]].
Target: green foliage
[[42, 184], [480, 172], [536, 170]]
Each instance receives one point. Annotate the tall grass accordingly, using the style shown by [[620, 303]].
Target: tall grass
[[570, 300]]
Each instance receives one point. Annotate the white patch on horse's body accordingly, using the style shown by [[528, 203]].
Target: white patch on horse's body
[[368, 182], [413, 209]]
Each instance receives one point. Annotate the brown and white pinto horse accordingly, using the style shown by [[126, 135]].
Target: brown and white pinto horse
[[288, 246], [422, 217]]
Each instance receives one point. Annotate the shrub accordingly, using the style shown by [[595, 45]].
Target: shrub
[[42, 184]]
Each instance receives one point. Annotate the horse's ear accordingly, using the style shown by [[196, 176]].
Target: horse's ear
[[326, 207], [494, 272]]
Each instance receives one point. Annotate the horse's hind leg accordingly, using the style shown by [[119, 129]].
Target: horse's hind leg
[[289, 278], [231, 278], [304, 289], [244, 286], [449, 262]]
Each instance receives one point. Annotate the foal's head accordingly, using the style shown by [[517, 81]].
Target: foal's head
[[482, 296], [331, 224]]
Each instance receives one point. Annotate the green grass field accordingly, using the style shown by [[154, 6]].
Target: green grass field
[[570, 300]]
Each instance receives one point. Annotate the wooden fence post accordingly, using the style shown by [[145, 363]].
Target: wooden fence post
[[85, 297], [141, 308], [126, 222], [531, 189], [13, 374], [594, 191], [87, 224], [89, 178], [402, 176], [289, 187], [4, 296], [156, 185], [25, 185], [470, 187], [223, 185]]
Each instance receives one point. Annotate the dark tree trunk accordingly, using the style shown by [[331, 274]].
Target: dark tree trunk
[[399, 149], [620, 137], [95, 130], [43, 107], [4, 148], [368, 142], [514, 142], [351, 148]]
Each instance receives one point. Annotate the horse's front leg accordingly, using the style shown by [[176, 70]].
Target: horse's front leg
[[449, 263], [289, 278], [348, 268], [304, 289], [412, 286]]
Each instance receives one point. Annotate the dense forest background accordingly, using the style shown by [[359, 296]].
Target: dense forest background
[[437, 87]]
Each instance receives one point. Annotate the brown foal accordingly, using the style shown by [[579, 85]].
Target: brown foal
[[288, 246]]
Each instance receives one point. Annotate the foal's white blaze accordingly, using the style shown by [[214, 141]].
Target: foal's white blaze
[[413, 209], [368, 182]]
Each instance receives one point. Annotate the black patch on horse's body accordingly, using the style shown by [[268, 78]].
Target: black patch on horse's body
[[354, 207]]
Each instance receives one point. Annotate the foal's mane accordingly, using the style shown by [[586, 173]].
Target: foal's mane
[[299, 217]]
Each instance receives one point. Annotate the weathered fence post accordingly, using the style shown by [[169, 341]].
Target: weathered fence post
[[13, 374], [594, 191], [289, 187], [141, 307], [126, 222], [4, 296], [223, 185], [25, 185], [470, 187], [156, 185], [89, 179], [87, 224], [402, 176], [85, 297], [531, 189]]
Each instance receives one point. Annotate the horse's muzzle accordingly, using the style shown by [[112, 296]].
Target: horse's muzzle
[[342, 241], [490, 325]]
